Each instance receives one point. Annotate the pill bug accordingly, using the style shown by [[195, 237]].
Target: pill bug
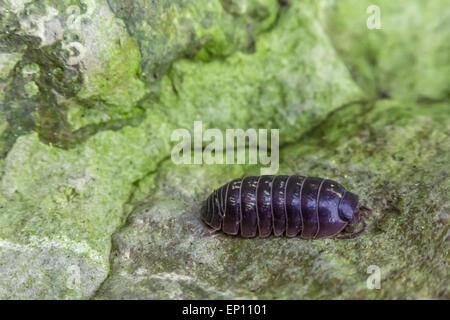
[[284, 205]]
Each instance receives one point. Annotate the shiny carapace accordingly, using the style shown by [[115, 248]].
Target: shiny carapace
[[309, 207]]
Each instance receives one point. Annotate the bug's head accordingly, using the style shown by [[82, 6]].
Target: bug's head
[[351, 210]]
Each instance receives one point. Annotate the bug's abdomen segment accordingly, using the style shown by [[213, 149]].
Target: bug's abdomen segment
[[279, 205], [330, 196], [215, 220], [293, 212], [232, 215], [264, 203], [309, 207], [249, 222], [291, 205]]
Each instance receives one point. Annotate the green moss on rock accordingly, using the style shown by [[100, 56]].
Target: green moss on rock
[[396, 157], [408, 58], [168, 30], [286, 83], [89, 71], [85, 140], [59, 209]]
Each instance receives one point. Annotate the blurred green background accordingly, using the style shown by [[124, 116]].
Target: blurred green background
[[92, 206]]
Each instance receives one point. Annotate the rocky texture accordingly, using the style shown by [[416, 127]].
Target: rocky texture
[[90, 92], [168, 30], [406, 59], [77, 74], [165, 251]]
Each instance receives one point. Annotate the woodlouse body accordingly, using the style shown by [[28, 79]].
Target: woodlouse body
[[285, 205]]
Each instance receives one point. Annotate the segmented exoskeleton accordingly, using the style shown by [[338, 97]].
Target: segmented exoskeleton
[[285, 205]]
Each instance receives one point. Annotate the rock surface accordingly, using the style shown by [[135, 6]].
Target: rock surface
[[164, 250], [91, 205]]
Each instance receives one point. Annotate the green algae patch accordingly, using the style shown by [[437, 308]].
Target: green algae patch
[[407, 58], [91, 91], [73, 66], [291, 82], [7, 63], [113, 74], [394, 156], [168, 30], [59, 209]]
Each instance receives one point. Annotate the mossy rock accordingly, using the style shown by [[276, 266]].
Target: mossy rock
[[91, 205], [165, 251]]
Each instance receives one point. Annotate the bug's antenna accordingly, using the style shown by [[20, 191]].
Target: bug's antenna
[[354, 234]]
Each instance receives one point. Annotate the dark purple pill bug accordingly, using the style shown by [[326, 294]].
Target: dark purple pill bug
[[308, 207]]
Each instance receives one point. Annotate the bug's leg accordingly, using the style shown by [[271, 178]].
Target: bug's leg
[[213, 232], [365, 211], [354, 234]]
